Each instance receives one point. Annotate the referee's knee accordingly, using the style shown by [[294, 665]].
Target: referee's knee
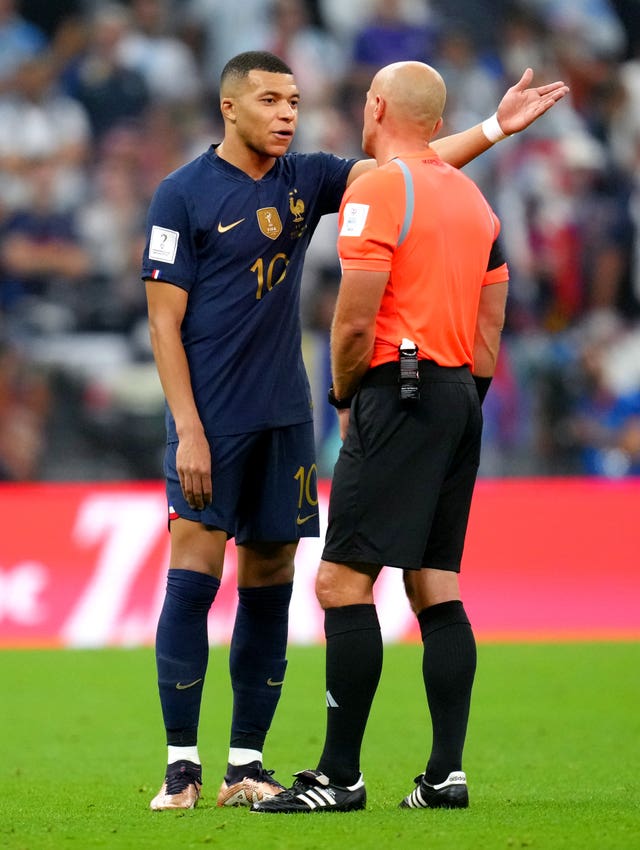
[[339, 584]]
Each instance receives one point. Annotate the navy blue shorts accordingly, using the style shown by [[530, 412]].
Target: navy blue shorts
[[405, 475], [265, 485]]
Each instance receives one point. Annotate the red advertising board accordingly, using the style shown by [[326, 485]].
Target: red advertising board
[[85, 565]]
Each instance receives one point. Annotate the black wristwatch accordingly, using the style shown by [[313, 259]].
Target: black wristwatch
[[339, 403]]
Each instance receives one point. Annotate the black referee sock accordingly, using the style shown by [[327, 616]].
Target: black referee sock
[[353, 667], [448, 668]]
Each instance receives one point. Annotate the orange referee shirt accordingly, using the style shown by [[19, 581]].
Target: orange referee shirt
[[433, 232]]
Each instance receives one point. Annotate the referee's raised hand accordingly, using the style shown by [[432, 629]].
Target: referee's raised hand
[[522, 104]]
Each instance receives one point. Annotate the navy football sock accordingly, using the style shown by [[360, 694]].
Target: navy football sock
[[257, 661], [182, 652], [353, 667], [448, 667]]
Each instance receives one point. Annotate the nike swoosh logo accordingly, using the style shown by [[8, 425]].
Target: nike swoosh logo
[[181, 687], [273, 684], [300, 520], [222, 228]]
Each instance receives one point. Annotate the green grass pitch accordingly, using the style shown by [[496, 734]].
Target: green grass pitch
[[552, 754]]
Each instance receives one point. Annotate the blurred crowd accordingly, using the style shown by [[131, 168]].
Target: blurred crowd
[[100, 100]]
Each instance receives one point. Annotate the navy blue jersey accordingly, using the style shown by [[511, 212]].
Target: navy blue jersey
[[237, 246]]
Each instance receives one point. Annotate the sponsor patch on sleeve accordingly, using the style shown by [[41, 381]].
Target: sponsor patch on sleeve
[[163, 244], [354, 219]]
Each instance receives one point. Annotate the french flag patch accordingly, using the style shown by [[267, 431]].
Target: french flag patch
[[155, 274]]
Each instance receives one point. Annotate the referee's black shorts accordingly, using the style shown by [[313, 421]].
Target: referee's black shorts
[[404, 478]]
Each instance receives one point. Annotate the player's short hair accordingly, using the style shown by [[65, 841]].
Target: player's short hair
[[253, 60]]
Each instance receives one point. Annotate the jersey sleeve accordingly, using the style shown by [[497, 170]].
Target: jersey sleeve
[[497, 269], [335, 171], [371, 215], [169, 253]]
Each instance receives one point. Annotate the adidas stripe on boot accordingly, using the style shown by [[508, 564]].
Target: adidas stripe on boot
[[314, 792], [450, 794]]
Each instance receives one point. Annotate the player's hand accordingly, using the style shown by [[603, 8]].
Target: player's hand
[[522, 105], [193, 460]]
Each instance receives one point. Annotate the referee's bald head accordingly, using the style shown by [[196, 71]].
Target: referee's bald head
[[414, 93]]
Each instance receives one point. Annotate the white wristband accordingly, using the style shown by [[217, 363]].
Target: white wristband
[[492, 129]]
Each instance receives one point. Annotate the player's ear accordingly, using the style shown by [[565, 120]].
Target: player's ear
[[228, 108]]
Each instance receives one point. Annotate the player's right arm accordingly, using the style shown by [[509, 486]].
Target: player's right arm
[[167, 305]]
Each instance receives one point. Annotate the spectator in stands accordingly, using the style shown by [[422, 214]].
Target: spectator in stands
[[315, 57], [599, 400], [471, 89], [111, 93], [390, 35], [586, 36], [41, 259], [524, 42], [117, 207], [219, 30], [19, 40], [345, 20], [50, 15], [483, 18], [37, 120], [166, 63]]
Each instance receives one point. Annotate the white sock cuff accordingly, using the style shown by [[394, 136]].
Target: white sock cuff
[[182, 754], [238, 755]]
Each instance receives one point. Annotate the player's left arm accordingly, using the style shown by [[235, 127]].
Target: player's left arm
[[521, 105]]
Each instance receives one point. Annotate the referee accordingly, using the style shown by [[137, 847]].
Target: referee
[[414, 344]]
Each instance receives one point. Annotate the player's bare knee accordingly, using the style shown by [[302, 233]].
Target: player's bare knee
[[265, 563]]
